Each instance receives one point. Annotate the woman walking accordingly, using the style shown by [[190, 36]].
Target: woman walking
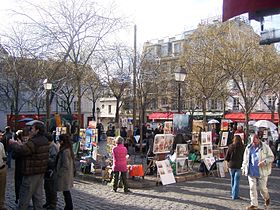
[[234, 157], [65, 170]]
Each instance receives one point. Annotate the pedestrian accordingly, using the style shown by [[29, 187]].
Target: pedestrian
[[49, 181], [234, 157], [3, 175], [257, 161], [64, 174], [277, 152], [119, 165], [34, 154], [21, 136], [6, 137]]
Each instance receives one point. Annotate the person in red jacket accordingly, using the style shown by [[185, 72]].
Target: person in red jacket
[[119, 164]]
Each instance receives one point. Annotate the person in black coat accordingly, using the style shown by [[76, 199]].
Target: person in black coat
[[234, 157], [277, 152]]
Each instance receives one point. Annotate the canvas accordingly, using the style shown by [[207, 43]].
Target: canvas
[[180, 123], [181, 165], [182, 150], [163, 143], [206, 151], [224, 139]]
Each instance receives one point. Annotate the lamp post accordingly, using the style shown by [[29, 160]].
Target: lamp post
[[180, 75], [47, 87]]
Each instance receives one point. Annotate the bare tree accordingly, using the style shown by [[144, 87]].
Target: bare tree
[[244, 61], [73, 30], [117, 71], [205, 79]]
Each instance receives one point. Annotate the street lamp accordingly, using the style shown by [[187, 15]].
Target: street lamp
[[47, 87], [180, 75]]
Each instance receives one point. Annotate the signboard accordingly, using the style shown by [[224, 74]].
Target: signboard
[[165, 172]]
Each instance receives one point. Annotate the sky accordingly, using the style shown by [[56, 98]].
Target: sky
[[155, 19]]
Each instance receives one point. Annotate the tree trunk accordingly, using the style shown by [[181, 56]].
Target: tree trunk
[[247, 119], [204, 113], [79, 106], [117, 116], [93, 111]]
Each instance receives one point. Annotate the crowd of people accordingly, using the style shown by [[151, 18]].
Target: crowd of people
[[40, 165]]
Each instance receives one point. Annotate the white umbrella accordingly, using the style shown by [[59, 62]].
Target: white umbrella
[[34, 121], [213, 121], [265, 124]]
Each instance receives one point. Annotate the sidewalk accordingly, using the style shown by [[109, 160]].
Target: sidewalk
[[141, 182]]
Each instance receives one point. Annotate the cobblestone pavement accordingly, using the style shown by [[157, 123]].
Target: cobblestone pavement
[[203, 193]]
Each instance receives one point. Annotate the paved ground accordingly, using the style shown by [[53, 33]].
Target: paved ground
[[204, 193]]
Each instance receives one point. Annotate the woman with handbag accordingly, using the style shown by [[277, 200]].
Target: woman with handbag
[[65, 169], [234, 157]]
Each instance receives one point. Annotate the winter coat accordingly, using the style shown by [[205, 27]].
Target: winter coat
[[265, 154], [277, 149], [119, 158], [234, 156], [35, 155], [64, 175]]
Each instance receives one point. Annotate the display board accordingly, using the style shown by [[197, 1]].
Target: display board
[[206, 151], [180, 123], [206, 137], [195, 138], [209, 162], [88, 138], [168, 127], [165, 172], [163, 143], [59, 131], [224, 139], [181, 166], [182, 151]]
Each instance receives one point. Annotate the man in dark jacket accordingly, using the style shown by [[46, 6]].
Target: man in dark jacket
[[35, 156]]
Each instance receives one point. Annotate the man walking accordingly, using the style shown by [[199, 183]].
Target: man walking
[[257, 161], [35, 156]]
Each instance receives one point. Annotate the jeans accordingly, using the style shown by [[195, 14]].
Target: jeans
[[235, 179], [278, 163]]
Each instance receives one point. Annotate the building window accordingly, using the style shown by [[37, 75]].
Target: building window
[[63, 106], [75, 106], [163, 101], [235, 104], [270, 101], [110, 109], [214, 104], [177, 49], [153, 104]]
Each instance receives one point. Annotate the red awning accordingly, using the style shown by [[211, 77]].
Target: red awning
[[233, 8], [161, 116], [240, 117]]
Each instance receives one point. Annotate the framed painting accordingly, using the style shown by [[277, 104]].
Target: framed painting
[[224, 139], [206, 151], [182, 150], [181, 166], [163, 143]]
